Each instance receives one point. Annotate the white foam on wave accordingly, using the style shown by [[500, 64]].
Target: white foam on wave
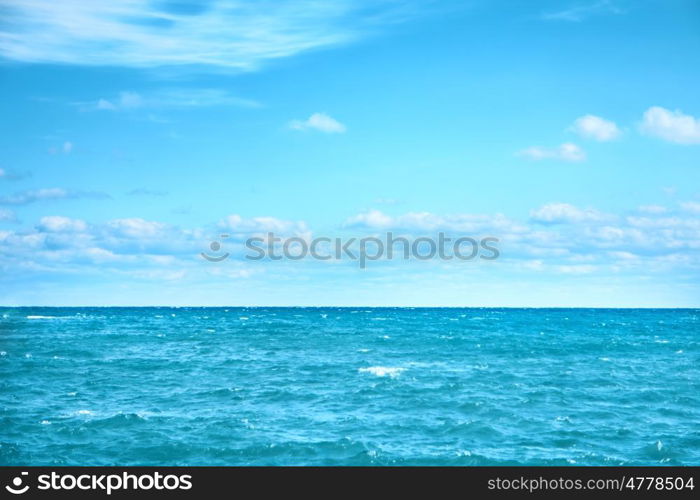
[[41, 317], [383, 371]]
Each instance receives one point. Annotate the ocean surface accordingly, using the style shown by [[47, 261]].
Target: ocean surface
[[349, 386]]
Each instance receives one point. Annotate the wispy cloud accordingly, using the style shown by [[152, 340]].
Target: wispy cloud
[[692, 207], [146, 192], [137, 228], [564, 213], [595, 127], [671, 126], [652, 209], [239, 226], [319, 121], [11, 175], [141, 33], [7, 215], [166, 98], [125, 100], [427, 221], [565, 152], [31, 196], [66, 148], [581, 12]]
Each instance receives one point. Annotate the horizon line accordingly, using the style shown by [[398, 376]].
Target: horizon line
[[346, 307]]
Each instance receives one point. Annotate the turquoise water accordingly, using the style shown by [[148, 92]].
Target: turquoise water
[[351, 386]]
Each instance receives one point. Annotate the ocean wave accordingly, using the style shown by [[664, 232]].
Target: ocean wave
[[383, 371]]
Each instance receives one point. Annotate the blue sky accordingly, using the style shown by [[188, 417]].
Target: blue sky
[[134, 133]]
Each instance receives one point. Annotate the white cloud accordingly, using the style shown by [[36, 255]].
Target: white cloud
[[59, 224], [558, 213], [672, 126], [34, 195], [137, 228], [565, 152], [260, 226], [62, 244], [319, 121], [564, 238], [142, 33], [595, 127], [426, 221], [374, 219], [584, 241], [67, 147]]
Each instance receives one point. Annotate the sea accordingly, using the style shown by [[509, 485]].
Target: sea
[[349, 386]]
